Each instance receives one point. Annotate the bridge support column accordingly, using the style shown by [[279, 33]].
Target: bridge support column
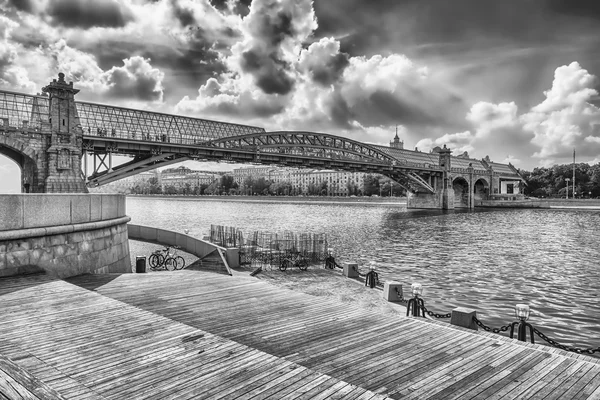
[[64, 154]]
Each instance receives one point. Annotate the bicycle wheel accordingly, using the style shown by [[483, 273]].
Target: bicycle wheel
[[302, 265], [284, 265], [180, 262], [170, 264], [155, 261]]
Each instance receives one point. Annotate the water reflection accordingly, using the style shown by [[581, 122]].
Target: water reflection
[[488, 260]]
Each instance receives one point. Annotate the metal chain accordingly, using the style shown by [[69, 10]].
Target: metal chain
[[434, 314], [488, 329], [564, 347]]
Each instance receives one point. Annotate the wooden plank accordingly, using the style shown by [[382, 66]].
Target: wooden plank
[[18, 383]]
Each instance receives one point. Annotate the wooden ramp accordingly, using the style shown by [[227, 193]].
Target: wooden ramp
[[189, 334]]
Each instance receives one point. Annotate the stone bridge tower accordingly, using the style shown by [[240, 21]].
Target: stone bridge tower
[[63, 156]]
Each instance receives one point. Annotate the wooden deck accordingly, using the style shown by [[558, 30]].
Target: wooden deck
[[192, 334]]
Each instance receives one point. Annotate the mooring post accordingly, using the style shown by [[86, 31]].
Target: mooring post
[[351, 270], [392, 292], [464, 317]]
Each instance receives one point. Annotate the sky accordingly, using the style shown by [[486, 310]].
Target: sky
[[515, 80]]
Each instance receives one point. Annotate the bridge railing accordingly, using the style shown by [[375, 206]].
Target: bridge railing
[[126, 123]]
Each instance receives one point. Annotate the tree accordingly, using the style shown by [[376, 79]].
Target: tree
[[227, 183], [370, 185]]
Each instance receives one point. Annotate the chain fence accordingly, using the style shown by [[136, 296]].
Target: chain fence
[[579, 350], [380, 284]]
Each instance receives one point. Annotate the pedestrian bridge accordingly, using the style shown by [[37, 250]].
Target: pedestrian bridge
[[51, 137]]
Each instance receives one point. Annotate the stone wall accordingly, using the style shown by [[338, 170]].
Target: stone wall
[[431, 200], [63, 235]]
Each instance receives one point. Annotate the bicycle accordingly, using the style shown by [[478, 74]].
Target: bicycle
[[169, 261], [295, 259]]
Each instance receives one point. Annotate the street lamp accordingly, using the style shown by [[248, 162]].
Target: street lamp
[[416, 303], [522, 312], [567, 180]]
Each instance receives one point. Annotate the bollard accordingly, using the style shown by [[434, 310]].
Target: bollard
[[464, 317], [392, 291], [351, 270]]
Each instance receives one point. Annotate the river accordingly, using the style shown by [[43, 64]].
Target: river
[[488, 260]]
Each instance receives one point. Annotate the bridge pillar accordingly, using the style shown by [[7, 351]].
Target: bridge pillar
[[63, 157], [443, 197]]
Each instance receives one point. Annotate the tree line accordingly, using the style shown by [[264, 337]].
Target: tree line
[[226, 185], [552, 181]]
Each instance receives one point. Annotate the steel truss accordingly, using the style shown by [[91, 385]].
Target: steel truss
[[24, 110], [126, 123], [306, 144]]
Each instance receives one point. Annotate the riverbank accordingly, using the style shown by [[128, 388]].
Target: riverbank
[[575, 204], [284, 199]]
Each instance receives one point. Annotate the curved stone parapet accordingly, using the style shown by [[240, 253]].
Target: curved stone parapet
[[189, 244], [63, 234]]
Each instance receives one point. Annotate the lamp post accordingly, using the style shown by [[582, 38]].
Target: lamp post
[[371, 277], [522, 312], [567, 180], [416, 303]]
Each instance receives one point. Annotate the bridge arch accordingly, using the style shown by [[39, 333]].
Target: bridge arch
[[26, 158], [302, 143], [481, 188], [460, 185]]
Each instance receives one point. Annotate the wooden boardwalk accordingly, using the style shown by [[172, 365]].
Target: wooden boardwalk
[[191, 334]]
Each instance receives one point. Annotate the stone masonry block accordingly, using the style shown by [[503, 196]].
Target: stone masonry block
[[56, 240], [85, 247], [76, 237], [11, 211], [80, 208], [110, 206], [17, 258], [464, 317], [46, 210], [95, 207], [351, 270], [392, 291]]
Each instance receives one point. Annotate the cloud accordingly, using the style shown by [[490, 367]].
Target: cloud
[[323, 62], [549, 131], [273, 31], [566, 118], [89, 13], [23, 5], [136, 79]]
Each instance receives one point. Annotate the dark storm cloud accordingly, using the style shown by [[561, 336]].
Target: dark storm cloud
[[269, 72], [89, 13], [582, 8], [22, 5], [184, 15], [339, 112], [269, 27], [398, 25], [143, 87], [241, 7], [330, 71]]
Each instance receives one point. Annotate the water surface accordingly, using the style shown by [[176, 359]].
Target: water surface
[[487, 260]]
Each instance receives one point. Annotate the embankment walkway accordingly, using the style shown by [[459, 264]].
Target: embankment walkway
[[190, 334]]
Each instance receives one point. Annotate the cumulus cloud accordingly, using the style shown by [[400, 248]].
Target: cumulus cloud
[[273, 31], [566, 118], [135, 80], [323, 62], [89, 13]]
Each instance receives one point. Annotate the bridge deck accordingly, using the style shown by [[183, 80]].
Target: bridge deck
[[189, 334]]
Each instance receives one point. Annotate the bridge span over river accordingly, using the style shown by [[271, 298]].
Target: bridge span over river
[[51, 136]]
